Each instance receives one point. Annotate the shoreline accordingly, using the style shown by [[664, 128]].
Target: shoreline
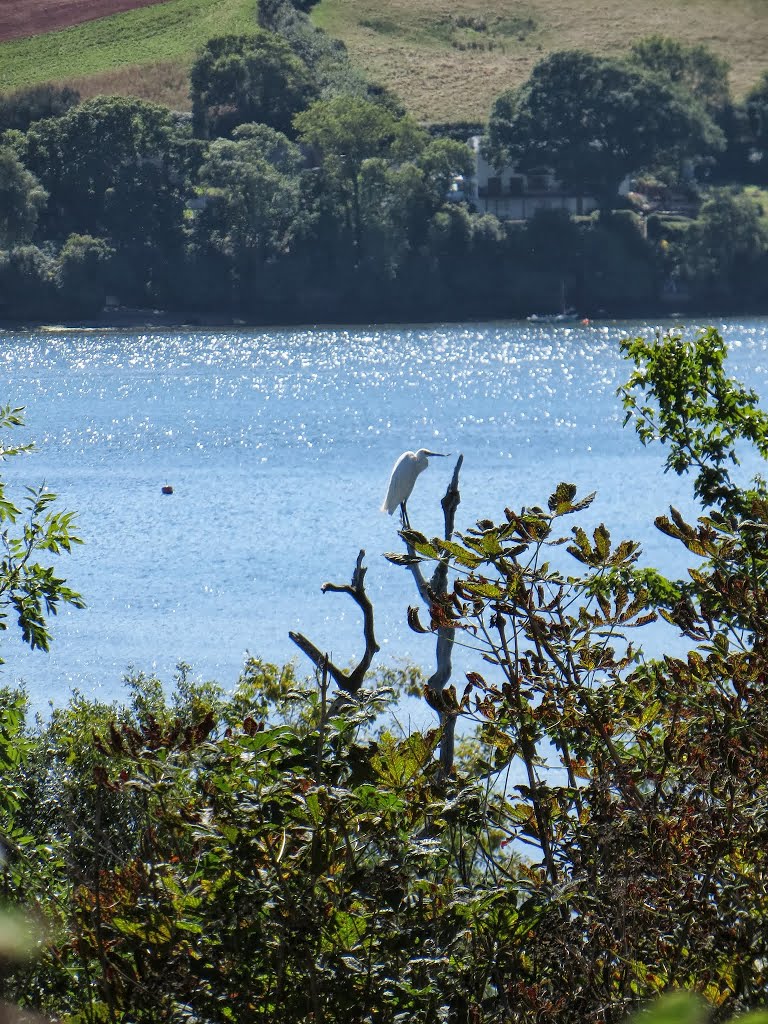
[[153, 319]]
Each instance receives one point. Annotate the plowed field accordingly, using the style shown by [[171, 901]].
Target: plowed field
[[20, 18]]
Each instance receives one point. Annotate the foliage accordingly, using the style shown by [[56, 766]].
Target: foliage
[[642, 783], [31, 532], [757, 111], [83, 273], [21, 199], [240, 79], [618, 265], [684, 1008], [695, 68], [384, 173], [723, 254], [22, 108], [28, 282], [92, 151], [252, 191], [347, 131], [679, 395], [205, 864], [325, 56], [625, 121]]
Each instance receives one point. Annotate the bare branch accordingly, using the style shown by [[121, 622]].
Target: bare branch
[[439, 585], [348, 681], [432, 593]]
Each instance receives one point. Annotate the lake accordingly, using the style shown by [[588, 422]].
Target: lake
[[278, 445]]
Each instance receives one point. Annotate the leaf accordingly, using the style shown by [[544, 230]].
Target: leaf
[[663, 523], [475, 679], [413, 537], [459, 553], [602, 541], [678, 520], [643, 620], [582, 549], [399, 763], [413, 621], [398, 559], [490, 542], [561, 500], [579, 506], [626, 551], [483, 588]]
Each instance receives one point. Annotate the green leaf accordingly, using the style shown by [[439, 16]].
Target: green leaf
[[459, 553], [563, 495]]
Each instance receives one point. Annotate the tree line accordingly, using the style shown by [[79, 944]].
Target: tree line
[[297, 190]]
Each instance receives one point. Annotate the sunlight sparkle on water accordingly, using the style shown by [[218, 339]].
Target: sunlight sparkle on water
[[279, 444]]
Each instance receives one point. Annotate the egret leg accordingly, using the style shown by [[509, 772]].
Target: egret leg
[[404, 516]]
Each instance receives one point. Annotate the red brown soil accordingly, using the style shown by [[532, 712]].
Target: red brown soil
[[32, 17]]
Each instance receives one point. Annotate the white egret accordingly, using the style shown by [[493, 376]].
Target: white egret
[[403, 477]]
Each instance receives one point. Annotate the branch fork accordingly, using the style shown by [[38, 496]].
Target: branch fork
[[350, 682]]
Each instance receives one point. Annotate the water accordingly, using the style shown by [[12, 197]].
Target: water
[[278, 445]]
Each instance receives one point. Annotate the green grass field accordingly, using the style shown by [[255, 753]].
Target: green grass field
[[449, 61], [145, 52]]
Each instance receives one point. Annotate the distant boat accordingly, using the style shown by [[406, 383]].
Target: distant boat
[[166, 489], [567, 316]]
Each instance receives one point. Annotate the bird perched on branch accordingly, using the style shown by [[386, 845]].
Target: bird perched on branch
[[403, 477]]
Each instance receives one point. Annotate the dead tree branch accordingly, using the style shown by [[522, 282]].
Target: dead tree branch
[[350, 682], [432, 592]]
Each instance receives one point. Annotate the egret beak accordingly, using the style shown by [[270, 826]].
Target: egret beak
[[442, 455]]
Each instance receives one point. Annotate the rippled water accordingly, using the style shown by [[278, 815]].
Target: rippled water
[[278, 445]]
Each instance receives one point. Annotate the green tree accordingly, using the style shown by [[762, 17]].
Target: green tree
[[625, 120], [28, 283], [398, 201], [241, 79], [696, 69], [756, 103], [32, 532], [143, 218], [83, 274], [21, 200], [722, 257], [345, 132], [326, 58], [618, 269], [442, 160], [20, 109], [252, 192], [93, 149]]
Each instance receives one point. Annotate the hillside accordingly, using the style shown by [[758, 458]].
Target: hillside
[[450, 61], [446, 62], [144, 52]]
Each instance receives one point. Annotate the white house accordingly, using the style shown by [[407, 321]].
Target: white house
[[513, 195]]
